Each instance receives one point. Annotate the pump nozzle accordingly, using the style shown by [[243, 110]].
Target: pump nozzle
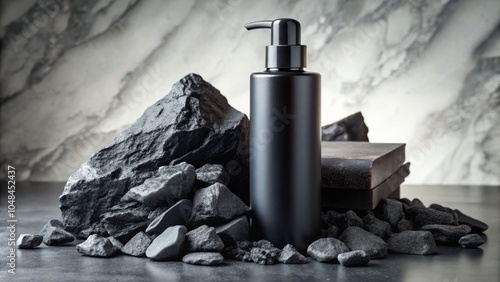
[[285, 51]]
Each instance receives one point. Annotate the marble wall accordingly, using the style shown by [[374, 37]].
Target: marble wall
[[423, 72]]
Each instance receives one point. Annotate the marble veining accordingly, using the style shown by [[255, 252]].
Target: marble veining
[[426, 73]]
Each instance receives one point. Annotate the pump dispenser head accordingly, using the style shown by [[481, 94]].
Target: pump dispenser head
[[285, 51]]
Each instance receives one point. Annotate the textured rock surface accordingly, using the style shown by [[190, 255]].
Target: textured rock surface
[[447, 234], [138, 245], [215, 205], [354, 258], [178, 214], [445, 209], [290, 255], [326, 249], [96, 246], [210, 174], [376, 226], [351, 128], [54, 234], [471, 241], [194, 112], [353, 219], [391, 211], [334, 218], [476, 225], [203, 239], [28, 241], [203, 258], [412, 242], [332, 231], [168, 245], [262, 255], [118, 245], [404, 225], [171, 184], [421, 216], [358, 239], [236, 230], [124, 220]]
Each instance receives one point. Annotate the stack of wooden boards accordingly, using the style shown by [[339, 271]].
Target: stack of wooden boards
[[357, 175]]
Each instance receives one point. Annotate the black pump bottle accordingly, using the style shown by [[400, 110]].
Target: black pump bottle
[[285, 144]]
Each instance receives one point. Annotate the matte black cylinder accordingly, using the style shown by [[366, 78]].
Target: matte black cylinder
[[285, 157]]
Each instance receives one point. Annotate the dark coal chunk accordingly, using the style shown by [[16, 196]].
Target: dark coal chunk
[[171, 184], [445, 209], [357, 238], [203, 258], [215, 205], [376, 226], [203, 239], [235, 230], [28, 241], [404, 225], [421, 216], [97, 246], [290, 255], [350, 128], [168, 245], [476, 225], [327, 249], [124, 221], [354, 258], [353, 219], [336, 219], [54, 234], [178, 214], [471, 240], [194, 123], [238, 251], [447, 234], [138, 245], [412, 242], [417, 203], [405, 201], [391, 211], [332, 231], [210, 174]]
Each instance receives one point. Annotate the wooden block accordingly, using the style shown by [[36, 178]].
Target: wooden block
[[336, 198], [359, 165]]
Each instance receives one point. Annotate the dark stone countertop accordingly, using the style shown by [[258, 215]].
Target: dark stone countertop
[[38, 203]]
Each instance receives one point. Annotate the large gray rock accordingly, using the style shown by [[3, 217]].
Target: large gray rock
[[447, 234], [357, 238], [203, 239], [203, 258], [215, 205], [212, 173], [54, 234], [96, 246], [178, 214], [28, 241], [350, 128], [290, 255], [354, 258], [138, 245], [194, 123], [168, 245], [172, 183], [124, 220], [326, 249], [413, 242], [236, 230]]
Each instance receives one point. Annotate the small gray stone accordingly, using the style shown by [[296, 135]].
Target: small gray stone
[[476, 225], [264, 256], [353, 219], [447, 234], [168, 245], [138, 245], [97, 246], [471, 240], [376, 226], [172, 183], [54, 234], [203, 239], [115, 242], [412, 242], [357, 238], [327, 249], [236, 230], [354, 258], [421, 216], [28, 241], [405, 225], [178, 214], [210, 174], [290, 255], [215, 205], [203, 258], [390, 211], [332, 231]]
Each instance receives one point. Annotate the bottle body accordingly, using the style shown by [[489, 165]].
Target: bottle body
[[285, 157]]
